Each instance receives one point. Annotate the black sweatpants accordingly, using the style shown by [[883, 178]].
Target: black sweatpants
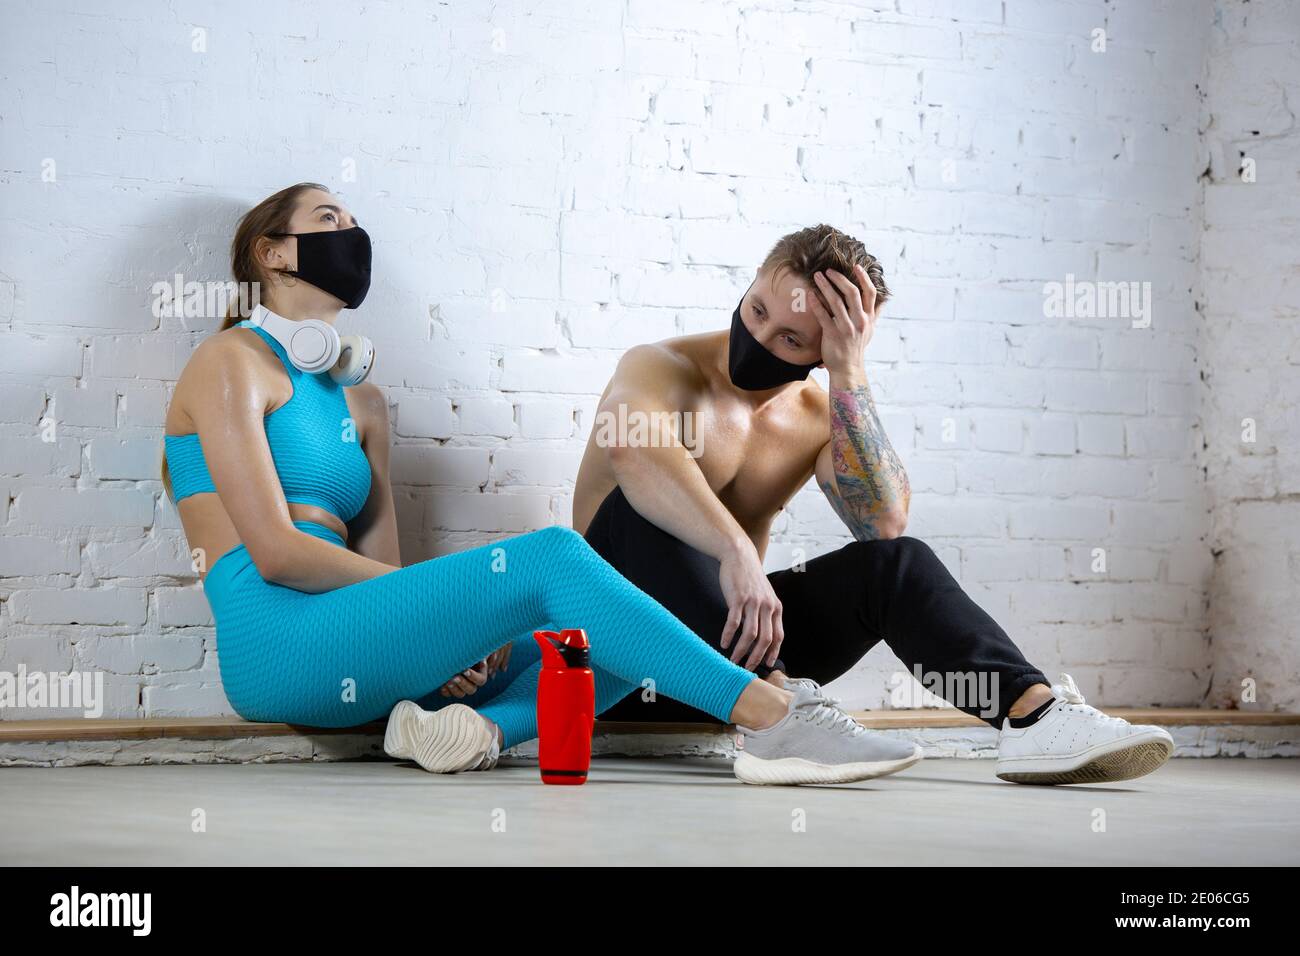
[[834, 610]]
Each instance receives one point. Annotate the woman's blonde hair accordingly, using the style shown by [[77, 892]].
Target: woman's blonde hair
[[268, 217]]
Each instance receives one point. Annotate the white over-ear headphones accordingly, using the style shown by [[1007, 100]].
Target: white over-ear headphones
[[315, 346]]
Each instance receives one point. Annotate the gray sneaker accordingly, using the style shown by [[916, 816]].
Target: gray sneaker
[[816, 742], [813, 686]]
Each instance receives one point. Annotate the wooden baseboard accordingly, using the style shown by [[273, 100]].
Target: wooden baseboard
[[216, 728]]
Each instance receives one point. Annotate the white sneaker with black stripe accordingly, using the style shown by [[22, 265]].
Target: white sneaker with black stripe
[[1075, 743]]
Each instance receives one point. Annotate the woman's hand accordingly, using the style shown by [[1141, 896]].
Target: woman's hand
[[466, 682], [470, 680], [499, 660]]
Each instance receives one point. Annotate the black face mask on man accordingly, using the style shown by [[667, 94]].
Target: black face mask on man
[[336, 261], [753, 367]]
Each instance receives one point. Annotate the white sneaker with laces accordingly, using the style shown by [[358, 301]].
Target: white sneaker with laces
[[1075, 743]]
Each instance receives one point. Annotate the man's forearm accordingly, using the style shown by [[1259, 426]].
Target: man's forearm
[[668, 489], [871, 492]]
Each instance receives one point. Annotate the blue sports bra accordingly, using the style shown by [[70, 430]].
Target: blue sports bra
[[313, 441]]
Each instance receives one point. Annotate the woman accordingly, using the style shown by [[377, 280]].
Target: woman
[[282, 472]]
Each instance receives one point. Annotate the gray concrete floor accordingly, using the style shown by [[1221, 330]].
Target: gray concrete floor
[[683, 811]]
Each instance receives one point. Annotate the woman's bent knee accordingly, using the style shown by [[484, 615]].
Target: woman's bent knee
[[562, 541]]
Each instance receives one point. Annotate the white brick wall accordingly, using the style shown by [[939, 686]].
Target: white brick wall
[[550, 182], [1251, 350]]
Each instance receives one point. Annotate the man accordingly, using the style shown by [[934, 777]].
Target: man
[[735, 427]]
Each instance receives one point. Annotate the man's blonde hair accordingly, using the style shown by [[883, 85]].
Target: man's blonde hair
[[824, 247]]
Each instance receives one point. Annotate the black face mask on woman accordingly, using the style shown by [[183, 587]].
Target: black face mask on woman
[[336, 261], [753, 367]]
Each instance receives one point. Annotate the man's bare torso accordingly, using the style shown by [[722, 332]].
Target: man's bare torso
[[754, 457]]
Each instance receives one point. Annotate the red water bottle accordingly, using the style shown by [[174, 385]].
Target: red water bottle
[[566, 704]]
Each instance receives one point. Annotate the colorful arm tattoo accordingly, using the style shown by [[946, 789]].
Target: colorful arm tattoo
[[870, 483]]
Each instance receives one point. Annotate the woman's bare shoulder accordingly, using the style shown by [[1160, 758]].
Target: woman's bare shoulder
[[370, 406], [229, 360]]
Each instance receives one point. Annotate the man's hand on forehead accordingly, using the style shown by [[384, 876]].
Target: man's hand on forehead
[[847, 312], [858, 278]]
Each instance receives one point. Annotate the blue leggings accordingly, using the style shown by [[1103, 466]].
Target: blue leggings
[[345, 657]]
